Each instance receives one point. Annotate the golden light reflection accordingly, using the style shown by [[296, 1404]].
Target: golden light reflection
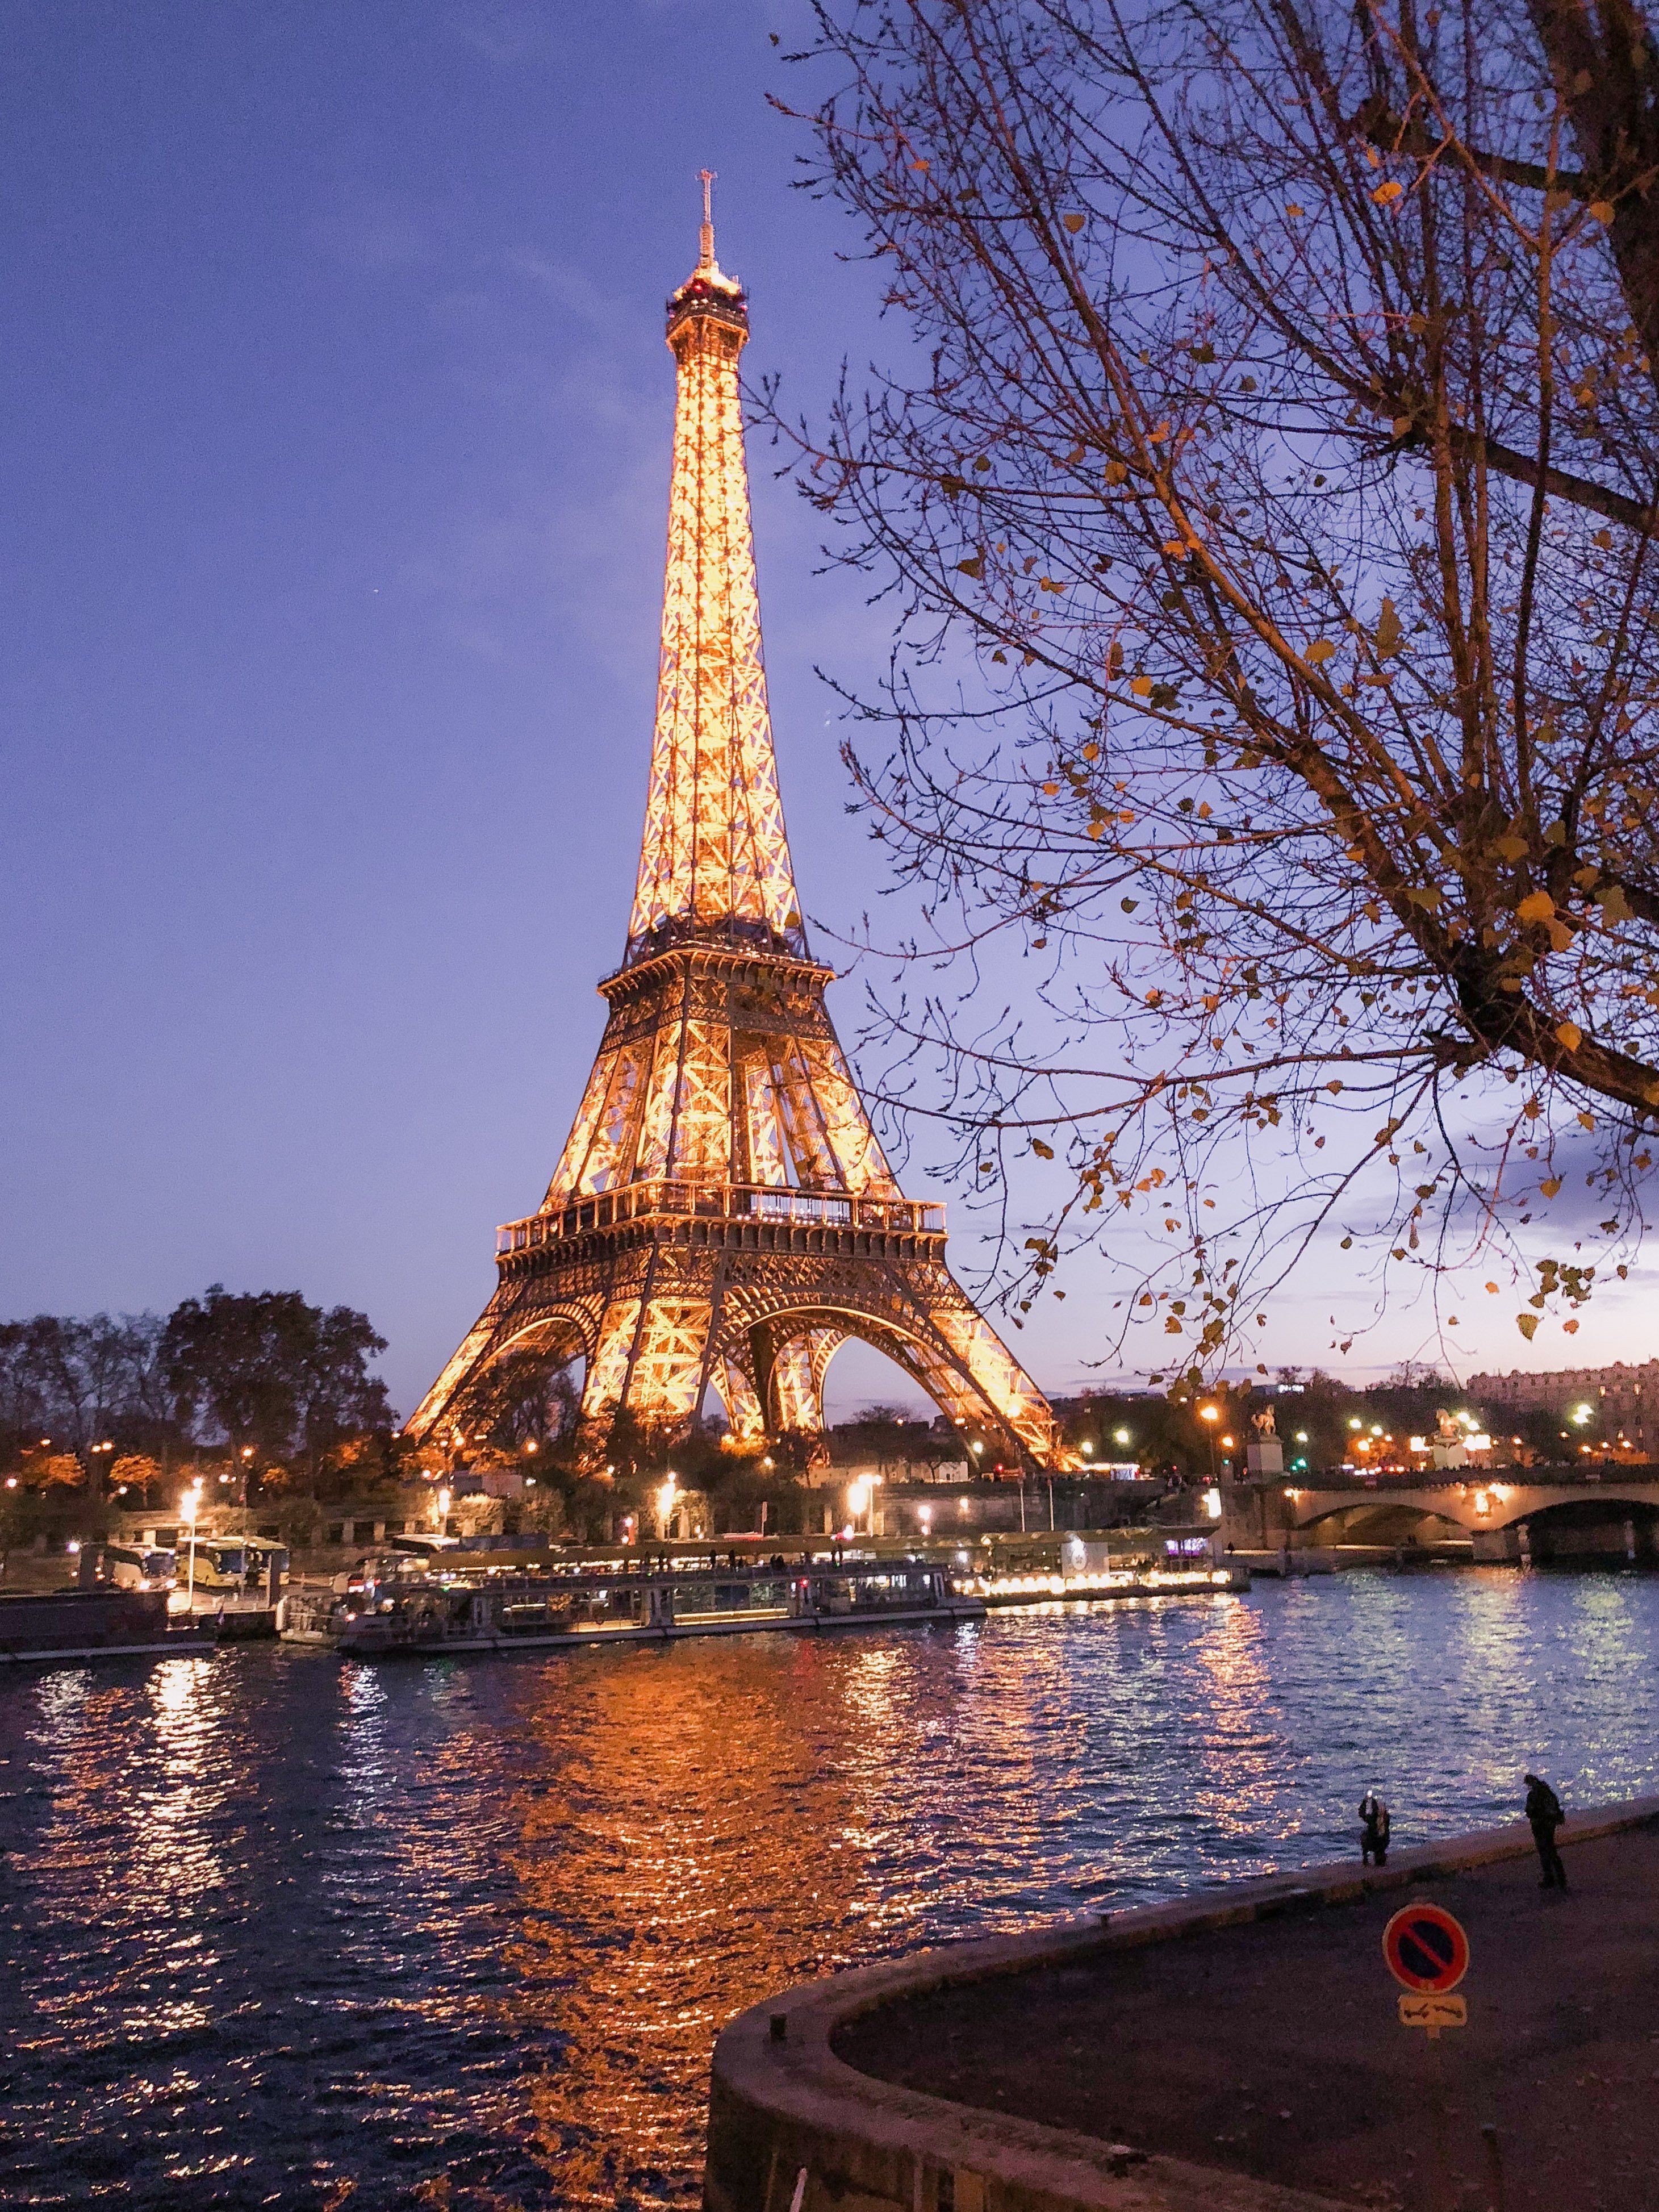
[[667, 1880]]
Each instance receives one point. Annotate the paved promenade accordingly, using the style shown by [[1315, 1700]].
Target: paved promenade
[[1273, 2049]]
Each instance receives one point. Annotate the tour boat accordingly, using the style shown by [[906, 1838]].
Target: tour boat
[[529, 1612]]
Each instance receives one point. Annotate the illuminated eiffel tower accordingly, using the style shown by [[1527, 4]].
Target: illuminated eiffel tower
[[722, 1213]]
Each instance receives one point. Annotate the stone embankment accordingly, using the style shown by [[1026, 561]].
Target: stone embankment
[[1238, 2052]]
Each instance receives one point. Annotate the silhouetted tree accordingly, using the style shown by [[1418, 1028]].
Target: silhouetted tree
[[265, 1369], [1276, 467]]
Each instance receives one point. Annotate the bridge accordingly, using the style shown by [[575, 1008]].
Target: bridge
[[1516, 1515]]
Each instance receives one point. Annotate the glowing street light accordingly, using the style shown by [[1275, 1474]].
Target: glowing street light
[[1582, 1413], [1211, 1415], [1121, 1436], [188, 1505]]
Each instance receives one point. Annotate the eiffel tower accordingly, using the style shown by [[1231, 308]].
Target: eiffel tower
[[722, 1213]]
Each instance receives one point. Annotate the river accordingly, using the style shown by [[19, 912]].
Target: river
[[283, 1931]]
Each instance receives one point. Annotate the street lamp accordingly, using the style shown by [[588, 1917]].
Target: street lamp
[[1211, 1414], [187, 1509]]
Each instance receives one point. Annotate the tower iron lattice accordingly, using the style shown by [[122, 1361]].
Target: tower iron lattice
[[723, 1215]]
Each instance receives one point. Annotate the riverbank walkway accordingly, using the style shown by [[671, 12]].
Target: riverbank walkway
[[1241, 2050]]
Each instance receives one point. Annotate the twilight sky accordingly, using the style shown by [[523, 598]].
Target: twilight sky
[[334, 444]]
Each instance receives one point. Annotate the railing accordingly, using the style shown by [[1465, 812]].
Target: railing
[[720, 1201]]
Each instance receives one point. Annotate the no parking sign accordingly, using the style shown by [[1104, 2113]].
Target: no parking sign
[[1428, 1954]]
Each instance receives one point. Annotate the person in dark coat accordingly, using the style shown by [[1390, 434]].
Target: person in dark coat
[[1374, 1828], [1544, 1816]]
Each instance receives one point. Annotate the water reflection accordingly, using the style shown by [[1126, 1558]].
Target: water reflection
[[280, 1930]]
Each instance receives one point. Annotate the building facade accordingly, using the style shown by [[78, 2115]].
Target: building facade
[[1625, 1399]]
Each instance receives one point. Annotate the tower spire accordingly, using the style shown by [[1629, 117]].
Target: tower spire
[[715, 860], [706, 236]]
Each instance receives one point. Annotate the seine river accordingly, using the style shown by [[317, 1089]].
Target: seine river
[[280, 1931]]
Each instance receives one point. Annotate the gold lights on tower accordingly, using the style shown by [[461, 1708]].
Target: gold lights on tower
[[722, 1213]]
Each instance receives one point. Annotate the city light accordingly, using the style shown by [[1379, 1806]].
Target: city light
[[187, 1509], [1208, 1413], [1120, 1436], [1582, 1413]]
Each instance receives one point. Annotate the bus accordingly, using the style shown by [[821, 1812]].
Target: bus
[[229, 1563], [141, 1566]]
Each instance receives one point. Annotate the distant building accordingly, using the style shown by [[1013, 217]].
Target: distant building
[[1625, 1398]]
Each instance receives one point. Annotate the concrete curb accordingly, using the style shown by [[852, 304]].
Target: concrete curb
[[792, 2128]]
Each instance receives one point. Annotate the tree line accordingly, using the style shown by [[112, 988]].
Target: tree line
[[106, 1402]]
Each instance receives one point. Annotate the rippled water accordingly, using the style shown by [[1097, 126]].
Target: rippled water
[[280, 1931]]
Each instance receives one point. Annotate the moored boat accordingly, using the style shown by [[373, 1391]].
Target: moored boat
[[52, 1626], [428, 1611]]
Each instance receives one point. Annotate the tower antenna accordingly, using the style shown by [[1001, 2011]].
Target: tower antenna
[[706, 237]]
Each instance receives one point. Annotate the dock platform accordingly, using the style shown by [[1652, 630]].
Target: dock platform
[[1241, 2052]]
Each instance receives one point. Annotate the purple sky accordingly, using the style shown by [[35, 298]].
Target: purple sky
[[335, 439]]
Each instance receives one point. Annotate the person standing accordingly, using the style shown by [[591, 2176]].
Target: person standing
[[1375, 1825], [1544, 1816]]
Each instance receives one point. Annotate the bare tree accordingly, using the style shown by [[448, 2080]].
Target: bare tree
[[1266, 512]]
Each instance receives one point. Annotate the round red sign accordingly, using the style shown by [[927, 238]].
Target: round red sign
[[1426, 1949]]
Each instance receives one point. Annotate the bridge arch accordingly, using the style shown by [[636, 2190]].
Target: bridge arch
[[1384, 1521]]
